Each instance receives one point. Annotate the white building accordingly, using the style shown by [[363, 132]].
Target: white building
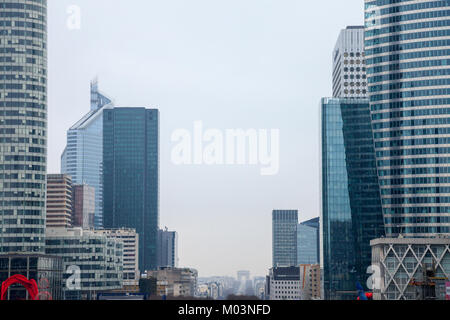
[[349, 68], [130, 240], [96, 258], [284, 283], [404, 265], [310, 288]]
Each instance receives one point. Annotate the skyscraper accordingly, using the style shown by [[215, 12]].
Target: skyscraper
[[284, 238], [349, 71], [351, 208], [23, 125], [82, 157], [131, 176], [408, 52]]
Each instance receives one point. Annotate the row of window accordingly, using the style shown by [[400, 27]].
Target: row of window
[[407, 36], [409, 65], [415, 171], [414, 181], [413, 161], [407, 27], [407, 46], [414, 112], [410, 104]]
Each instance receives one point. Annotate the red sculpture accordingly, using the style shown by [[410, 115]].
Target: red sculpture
[[30, 285]]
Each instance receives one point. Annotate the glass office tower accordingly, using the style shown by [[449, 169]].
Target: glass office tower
[[83, 155], [408, 56], [131, 176], [284, 238], [23, 125], [307, 242], [351, 208]]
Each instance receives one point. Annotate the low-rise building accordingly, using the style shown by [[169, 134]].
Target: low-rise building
[[284, 283], [175, 282], [92, 262], [130, 240], [310, 282], [410, 268]]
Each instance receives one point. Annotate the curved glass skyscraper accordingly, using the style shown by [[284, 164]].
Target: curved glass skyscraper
[[407, 46], [23, 125]]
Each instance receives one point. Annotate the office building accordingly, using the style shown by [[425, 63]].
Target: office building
[[310, 288], [284, 283], [175, 282], [407, 50], [351, 208], [83, 206], [411, 268], [308, 242], [349, 70], [130, 240], [167, 248], [131, 176], [284, 237], [97, 257], [83, 156], [59, 201], [23, 126]]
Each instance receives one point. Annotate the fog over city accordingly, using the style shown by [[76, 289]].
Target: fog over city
[[254, 64]]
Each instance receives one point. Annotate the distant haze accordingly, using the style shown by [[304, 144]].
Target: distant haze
[[256, 64]]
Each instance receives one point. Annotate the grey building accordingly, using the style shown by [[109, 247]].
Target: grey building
[[307, 244], [83, 156], [23, 126], [284, 237], [131, 176], [95, 257], [349, 70], [167, 248], [407, 50]]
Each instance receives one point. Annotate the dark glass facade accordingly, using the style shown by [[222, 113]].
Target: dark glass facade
[[45, 270], [284, 238], [351, 205], [131, 176], [23, 125], [407, 49]]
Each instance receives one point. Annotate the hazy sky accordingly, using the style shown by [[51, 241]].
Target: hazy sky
[[261, 64]]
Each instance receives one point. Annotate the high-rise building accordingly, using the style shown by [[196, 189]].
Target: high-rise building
[[83, 206], [314, 223], [167, 248], [284, 238], [349, 70], [23, 125], [59, 201], [82, 158], [407, 48], [351, 213], [307, 250], [131, 176]]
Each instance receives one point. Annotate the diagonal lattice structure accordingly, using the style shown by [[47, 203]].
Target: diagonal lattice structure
[[401, 261]]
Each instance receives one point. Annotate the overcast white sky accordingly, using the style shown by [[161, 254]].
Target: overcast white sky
[[258, 64]]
